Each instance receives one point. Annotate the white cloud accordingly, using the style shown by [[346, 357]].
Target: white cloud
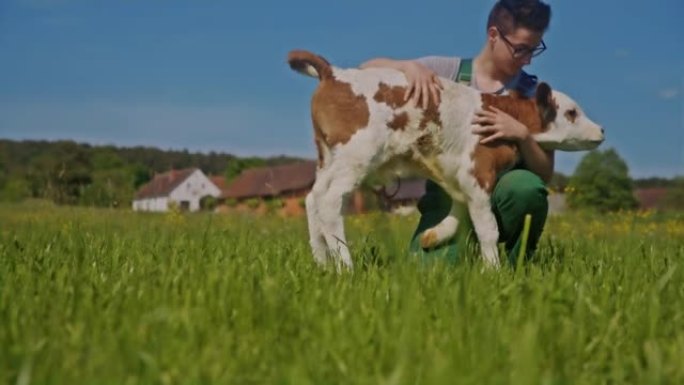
[[668, 93]]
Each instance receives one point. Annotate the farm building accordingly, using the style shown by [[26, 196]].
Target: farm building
[[402, 195], [650, 198], [290, 183], [182, 187]]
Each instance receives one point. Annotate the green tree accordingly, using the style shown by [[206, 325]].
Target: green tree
[[14, 189], [72, 173], [237, 166], [109, 188], [141, 175], [233, 169], [112, 180], [601, 181]]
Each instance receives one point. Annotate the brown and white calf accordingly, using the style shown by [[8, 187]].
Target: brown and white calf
[[362, 125]]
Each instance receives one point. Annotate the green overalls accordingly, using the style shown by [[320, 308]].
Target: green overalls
[[517, 192]]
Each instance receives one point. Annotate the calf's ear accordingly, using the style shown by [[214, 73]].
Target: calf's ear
[[546, 104]]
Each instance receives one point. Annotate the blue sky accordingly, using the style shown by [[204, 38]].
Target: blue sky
[[211, 75]]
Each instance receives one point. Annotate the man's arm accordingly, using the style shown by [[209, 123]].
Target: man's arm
[[537, 160], [385, 63], [495, 124]]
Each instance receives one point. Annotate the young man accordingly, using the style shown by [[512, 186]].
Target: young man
[[514, 36]]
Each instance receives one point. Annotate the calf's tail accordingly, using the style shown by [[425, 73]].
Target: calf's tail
[[310, 64]]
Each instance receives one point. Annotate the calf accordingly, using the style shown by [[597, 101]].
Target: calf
[[362, 124]]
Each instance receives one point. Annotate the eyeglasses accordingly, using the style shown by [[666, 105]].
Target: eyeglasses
[[521, 51]]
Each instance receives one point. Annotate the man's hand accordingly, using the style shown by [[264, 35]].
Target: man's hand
[[495, 124], [423, 84]]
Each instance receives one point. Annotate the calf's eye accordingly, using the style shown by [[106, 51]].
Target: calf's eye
[[571, 115]]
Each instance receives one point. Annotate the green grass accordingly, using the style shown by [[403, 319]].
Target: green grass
[[111, 297]]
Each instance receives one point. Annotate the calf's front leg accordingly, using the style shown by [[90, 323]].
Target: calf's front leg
[[486, 228]]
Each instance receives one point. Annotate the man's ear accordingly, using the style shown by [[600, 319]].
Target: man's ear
[[546, 104], [492, 33]]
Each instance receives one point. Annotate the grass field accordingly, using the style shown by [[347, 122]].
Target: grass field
[[111, 297]]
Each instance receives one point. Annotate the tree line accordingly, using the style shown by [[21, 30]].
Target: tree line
[[67, 172]]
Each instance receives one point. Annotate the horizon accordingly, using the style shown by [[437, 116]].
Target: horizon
[[274, 156], [211, 76]]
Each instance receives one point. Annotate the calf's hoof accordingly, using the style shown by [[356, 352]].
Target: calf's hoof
[[428, 239]]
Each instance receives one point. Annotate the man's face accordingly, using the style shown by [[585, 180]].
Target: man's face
[[515, 49]]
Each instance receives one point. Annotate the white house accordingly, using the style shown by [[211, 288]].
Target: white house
[[183, 187]]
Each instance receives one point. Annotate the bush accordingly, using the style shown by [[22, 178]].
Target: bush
[[601, 181], [208, 202], [253, 203], [274, 204]]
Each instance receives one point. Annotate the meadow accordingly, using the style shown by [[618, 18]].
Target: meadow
[[97, 296]]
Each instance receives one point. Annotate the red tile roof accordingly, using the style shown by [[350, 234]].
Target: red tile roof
[[649, 198], [272, 181], [162, 184], [219, 181]]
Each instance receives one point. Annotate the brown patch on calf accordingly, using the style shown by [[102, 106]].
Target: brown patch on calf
[[492, 158], [319, 140], [392, 96], [399, 121], [521, 109], [337, 112], [430, 115]]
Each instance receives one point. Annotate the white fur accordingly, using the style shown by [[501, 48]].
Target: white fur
[[377, 148], [311, 71]]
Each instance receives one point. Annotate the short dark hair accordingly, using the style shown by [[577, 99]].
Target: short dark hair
[[508, 15]]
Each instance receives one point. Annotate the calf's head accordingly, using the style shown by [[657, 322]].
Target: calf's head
[[565, 126]]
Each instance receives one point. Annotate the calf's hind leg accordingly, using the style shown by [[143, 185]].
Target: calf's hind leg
[[316, 238]]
